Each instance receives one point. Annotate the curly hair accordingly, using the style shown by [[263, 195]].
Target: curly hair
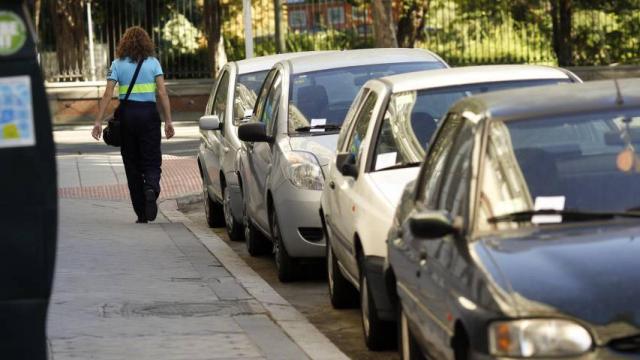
[[135, 44]]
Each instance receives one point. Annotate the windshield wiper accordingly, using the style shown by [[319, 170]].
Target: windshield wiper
[[401, 166], [325, 127], [567, 215]]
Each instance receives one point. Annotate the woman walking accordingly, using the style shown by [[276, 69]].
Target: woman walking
[[140, 121]]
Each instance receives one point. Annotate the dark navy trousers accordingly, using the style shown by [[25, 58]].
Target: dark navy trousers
[[141, 154]]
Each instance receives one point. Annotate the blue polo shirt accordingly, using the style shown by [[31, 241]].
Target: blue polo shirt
[[144, 89]]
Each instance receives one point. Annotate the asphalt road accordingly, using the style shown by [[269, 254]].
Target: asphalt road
[[309, 295]]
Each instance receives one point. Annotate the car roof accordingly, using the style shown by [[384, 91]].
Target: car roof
[[262, 63], [347, 58], [554, 100], [429, 79]]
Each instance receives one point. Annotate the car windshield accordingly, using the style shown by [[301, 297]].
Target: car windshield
[[412, 116], [581, 163], [247, 88], [321, 99]]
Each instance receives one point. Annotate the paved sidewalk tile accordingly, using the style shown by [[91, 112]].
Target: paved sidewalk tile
[[152, 291]]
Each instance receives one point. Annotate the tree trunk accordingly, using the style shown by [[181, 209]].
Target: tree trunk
[[36, 13], [384, 31], [213, 31], [68, 17], [413, 19], [562, 20]]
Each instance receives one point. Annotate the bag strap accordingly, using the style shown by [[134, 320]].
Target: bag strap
[[133, 79]]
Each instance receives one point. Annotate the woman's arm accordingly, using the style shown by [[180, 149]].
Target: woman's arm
[[166, 107], [102, 107]]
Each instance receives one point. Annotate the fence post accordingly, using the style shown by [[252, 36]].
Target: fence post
[[92, 54], [280, 45], [248, 30]]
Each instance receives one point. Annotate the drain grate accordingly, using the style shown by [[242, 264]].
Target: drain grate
[[178, 309]]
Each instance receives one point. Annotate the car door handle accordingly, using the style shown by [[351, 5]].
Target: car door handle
[[332, 184]]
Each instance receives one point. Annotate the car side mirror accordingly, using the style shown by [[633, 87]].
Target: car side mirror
[[210, 122], [253, 132], [346, 164], [432, 225]]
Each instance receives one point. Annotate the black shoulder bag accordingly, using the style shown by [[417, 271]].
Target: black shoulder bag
[[112, 134]]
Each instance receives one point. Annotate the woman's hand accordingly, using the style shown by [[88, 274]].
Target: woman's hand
[[168, 130], [97, 131]]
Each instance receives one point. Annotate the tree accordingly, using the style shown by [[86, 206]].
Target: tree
[[213, 32], [561, 18], [412, 21], [384, 31], [68, 18]]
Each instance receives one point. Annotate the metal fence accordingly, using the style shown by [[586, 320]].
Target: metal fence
[[463, 32]]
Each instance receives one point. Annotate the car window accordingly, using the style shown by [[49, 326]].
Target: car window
[[268, 116], [455, 187], [360, 126], [262, 97], [349, 117], [246, 93], [436, 160], [220, 100]]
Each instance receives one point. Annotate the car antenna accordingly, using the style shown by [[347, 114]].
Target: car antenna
[[619, 98]]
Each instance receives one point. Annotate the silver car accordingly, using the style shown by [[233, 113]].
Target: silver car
[[292, 137], [230, 103]]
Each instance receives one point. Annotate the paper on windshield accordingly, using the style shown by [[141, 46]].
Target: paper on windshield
[[548, 203], [318, 122], [385, 160]]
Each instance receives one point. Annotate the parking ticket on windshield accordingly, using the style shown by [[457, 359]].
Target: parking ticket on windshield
[[16, 112], [318, 122], [548, 203]]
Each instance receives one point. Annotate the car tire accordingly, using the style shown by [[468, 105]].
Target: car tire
[[256, 243], [285, 264], [341, 293], [378, 334], [407, 345], [235, 230], [212, 209]]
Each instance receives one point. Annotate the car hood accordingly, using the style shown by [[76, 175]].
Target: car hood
[[322, 146], [391, 183], [590, 273]]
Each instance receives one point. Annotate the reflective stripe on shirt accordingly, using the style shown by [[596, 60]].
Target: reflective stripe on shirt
[[138, 88]]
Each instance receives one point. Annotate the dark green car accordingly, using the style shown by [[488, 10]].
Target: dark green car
[[519, 238]]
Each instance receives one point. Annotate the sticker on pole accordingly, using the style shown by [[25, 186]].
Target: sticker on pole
[[16, 112], [13, 33]]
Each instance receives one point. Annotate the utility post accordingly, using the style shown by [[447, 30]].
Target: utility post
[[28, 190], [280, 43], [248, 30]]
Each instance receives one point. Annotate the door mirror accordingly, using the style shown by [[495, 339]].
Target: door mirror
[[209, 122], [431, 224], [253, 132], [346, 164]]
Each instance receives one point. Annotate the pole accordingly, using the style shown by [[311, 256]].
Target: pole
[[92, 54], [280, 46], [248, 30]]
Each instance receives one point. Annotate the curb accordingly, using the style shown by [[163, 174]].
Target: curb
[[306, 336]]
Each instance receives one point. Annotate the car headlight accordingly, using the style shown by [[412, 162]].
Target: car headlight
[[538, 338], [303, 170]]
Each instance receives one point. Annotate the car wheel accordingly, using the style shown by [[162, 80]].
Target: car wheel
[[378, 334], [342, 294], [256, 243], [285, 264], [212, 210], [407, 345], [234, 229]]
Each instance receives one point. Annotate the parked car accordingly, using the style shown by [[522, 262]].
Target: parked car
[[381, 147], [518, 238], [293, 135], [230, 103]]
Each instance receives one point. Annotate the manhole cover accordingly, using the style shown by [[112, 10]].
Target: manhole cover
[[172, 309]]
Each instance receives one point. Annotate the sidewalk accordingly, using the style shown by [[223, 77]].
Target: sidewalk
[[167, 290]]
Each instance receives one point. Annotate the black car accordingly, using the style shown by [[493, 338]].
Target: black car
[[521, 236]]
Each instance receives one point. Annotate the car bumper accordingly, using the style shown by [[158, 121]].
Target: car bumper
[[297, 211], [598, 353], [374, 265]]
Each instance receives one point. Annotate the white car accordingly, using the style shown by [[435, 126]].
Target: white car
[[380, 148], [232, 99]]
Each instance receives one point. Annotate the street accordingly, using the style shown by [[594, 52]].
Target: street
[[174, 299]]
